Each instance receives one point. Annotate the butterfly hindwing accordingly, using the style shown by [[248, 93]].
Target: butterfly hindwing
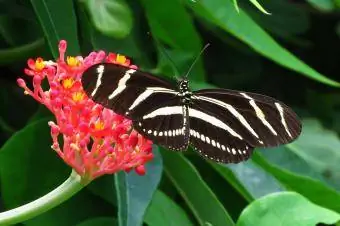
[[215, 139], [166, 124]]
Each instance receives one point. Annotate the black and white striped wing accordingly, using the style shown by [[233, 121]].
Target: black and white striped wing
[[225, 125], [126, 91], [167, 125], [151, 102]]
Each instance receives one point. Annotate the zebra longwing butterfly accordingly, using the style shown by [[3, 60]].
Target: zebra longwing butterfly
[[222, 125]]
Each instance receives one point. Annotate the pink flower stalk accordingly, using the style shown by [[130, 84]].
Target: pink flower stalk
[[96, 141]]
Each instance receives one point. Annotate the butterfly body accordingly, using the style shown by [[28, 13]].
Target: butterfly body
[[222, 125], [184, 91]]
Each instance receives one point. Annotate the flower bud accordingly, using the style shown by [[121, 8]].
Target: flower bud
[[140, 170]]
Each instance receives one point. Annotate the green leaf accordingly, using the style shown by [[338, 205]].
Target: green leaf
[[285, 159], [227, 195], [337, 3], [315, 154], [324, 5], [164, 211], [258, 5], [19, 31], [195, 191], [41, 113], [102, 221], [18, 10], [310, 143], [257, 181], [163, 17], [306, 186], [29, 169], [134, 192], [286, 208], [244, 28], [131, 46], [236, 5], [287, 20], [229, 176], [58, 21], [112, 18], [20, 52]]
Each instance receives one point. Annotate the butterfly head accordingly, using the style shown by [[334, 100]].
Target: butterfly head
[[184, 86], [184, 91]]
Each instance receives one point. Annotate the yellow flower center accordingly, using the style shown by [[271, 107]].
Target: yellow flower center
[[99, 125], [39, 64], [68, 83], [72, 61], [120, 59], [78, 96]]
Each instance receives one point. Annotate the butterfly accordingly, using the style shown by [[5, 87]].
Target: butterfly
[[220, 124]]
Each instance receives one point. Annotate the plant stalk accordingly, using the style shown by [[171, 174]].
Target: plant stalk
[[37, 207]]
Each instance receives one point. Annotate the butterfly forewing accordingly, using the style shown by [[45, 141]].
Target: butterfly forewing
[[260, 120], [151, 102], [125, 90]]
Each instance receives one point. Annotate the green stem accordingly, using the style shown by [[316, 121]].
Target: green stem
[[62, 193]]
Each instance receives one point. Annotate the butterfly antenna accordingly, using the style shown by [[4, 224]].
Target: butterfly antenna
[[166, 55], [195, 61]]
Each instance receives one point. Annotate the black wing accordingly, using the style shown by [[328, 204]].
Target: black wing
[[151, 102], [167, 125], [236, 122], [126, 91]]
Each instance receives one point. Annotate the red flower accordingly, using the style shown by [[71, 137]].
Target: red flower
[[96, 141]]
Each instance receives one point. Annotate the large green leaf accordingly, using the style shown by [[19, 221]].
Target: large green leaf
[[22, 52], [19, 31], [112, 18], [286, 208], [319, 147], [234, 202], [257, 181], [325, 5], [196, 193], [255, 3], [229, 176], [29, 169], [315, 154], [286, 159], [308, 187], [102, 221], [286, 20], [134, 192], [131, 46], [163, 211], [58, 21], [23, 36], [163, 16], [222, 14]]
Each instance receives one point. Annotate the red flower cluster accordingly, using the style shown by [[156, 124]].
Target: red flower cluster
[[96, 141]]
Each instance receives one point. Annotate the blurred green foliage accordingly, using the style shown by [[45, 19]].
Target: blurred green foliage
[[291, 54]]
